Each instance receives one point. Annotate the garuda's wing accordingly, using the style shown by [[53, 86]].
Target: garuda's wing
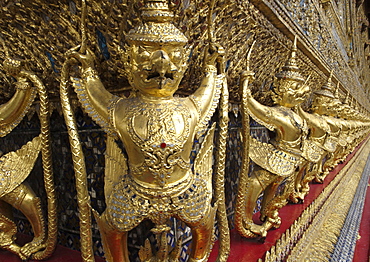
[[268, 157], [203, 161], [115, 165], [16, 166]]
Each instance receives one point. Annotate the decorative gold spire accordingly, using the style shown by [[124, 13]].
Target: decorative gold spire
[[157, 25], [291, 70], [156, 11], [346, 100], [327, 88], [336, 94]]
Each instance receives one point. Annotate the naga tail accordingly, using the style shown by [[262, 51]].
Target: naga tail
[[79, 166], [240, 216], [47, 167]]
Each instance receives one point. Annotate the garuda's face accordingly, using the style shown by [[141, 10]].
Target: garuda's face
[[157, 70], [345, 111], [321, 105], [290, 93], [335, 107]]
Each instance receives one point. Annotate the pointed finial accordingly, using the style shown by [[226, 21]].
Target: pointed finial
[[330, 76], [336, 94], [346, 100], [291, 70], [327, 88], [248, 58], [292, 61], [295, 43], [293, 54], [157, 25]]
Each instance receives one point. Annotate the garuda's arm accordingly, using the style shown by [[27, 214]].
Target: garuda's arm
[[94, 98], [303, 113], [316, 123], [311, 119], [12, 112], [207, 96], [262, 114]]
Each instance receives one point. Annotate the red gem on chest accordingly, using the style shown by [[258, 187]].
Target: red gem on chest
[[163, 145]]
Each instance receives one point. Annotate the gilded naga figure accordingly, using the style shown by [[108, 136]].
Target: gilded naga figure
[[282, 160], [156, 180], [16, 166]]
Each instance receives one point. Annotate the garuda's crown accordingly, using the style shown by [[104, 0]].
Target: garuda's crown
[[157, 25], [291, 70], [327, 88]]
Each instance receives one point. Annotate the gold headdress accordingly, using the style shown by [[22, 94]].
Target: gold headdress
[[289, 82], [157, 25], [327, 88], [336, 94], [291, 70]]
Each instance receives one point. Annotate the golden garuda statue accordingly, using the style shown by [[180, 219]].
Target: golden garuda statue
[[155, 181], [322, 141], [282, 160], [16, 166], [323, 106], [336, 107], [353, 125]]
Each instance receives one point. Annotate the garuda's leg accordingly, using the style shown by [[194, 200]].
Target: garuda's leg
[[8, 229], [273, 200], [296, 196], [259, 180], [341, 156], [202, 236], [327, 167], [311, 171], [25, 200], [114, 241]]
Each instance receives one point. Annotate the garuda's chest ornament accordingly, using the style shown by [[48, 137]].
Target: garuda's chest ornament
[[160, 131]]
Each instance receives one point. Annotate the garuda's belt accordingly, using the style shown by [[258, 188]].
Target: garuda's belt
[[312, 151], [275, 160], [330, 143], [127, 207], [342, 141]]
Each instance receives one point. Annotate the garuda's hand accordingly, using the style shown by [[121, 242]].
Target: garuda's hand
[[247, 75], [86, 60], [214, 55], [245, 78]]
